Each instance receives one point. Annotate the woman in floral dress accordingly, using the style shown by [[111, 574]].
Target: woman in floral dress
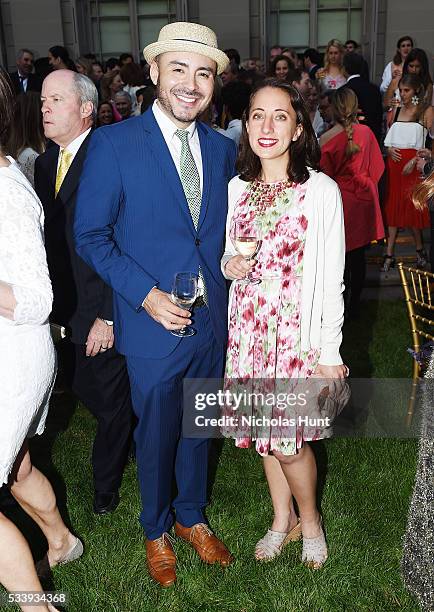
[[287, 326]]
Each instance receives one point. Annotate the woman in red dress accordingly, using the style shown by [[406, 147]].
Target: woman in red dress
[[351, 156], [406, 136]]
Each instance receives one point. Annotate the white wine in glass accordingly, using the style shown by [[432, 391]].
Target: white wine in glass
[[247, 242], [247, 246], [184, 294]]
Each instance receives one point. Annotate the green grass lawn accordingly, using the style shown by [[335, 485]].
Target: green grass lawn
[[366, 485]]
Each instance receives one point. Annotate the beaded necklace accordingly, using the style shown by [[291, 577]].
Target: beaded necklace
[[263, 195]]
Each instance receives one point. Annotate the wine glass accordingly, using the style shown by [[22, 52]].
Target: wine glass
[[247, 242], [395, 102], [184, 294]]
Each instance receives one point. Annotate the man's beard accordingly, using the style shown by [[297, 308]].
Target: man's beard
[[181, 116]]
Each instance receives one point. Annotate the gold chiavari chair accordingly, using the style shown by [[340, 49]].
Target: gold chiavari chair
[[418, 287]]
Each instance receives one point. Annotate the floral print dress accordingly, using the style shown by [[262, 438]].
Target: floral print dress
[[331, 82], [264, 341]]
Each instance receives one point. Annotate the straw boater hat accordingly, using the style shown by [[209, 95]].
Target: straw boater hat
[[184, 36]]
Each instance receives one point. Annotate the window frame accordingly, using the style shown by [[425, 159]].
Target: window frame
[[274, 11], [132, 18]]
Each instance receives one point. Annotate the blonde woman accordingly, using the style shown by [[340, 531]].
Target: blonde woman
[[84, 66], [423, 196], [332, 76], [351, 156]]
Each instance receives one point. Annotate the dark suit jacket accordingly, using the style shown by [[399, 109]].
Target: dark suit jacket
[[80, 296], [34, 82], [370, 104]]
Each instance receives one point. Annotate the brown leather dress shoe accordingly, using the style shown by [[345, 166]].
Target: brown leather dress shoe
[[161, 560], [209, 548]]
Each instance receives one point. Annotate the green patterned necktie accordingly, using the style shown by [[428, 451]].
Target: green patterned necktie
[[190, 177], [191, 184]]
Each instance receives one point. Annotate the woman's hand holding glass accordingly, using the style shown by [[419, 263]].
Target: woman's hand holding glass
[[237, 268], [247, 241]]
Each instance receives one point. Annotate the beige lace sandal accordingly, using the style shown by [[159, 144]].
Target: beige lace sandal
[[271, 545], [315, 552]]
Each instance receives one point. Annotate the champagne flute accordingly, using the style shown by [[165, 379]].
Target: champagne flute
[[247, 242], [184, 294]]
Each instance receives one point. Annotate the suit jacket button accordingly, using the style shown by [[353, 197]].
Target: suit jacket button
[[197, 242]]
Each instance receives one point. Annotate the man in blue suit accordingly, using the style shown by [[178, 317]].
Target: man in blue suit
[[152, 202]]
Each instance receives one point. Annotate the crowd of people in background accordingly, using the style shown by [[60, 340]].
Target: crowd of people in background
[[125, 90]]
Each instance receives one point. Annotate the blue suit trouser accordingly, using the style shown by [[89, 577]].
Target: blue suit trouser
[[162, 453]]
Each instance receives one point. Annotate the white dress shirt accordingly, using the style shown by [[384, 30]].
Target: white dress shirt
[[74, 146], [168, 129], [318, 124], [352, 76]]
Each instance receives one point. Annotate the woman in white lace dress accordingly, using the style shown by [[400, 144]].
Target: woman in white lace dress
[[27, 370], [26, 139]]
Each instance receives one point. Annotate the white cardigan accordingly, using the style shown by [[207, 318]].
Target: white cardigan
[[322, 303]]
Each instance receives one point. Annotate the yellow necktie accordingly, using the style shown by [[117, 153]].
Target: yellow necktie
[[65, 162]]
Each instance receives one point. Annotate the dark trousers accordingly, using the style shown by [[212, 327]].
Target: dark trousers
[[162, 452], [354, 278], [101, 383]]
